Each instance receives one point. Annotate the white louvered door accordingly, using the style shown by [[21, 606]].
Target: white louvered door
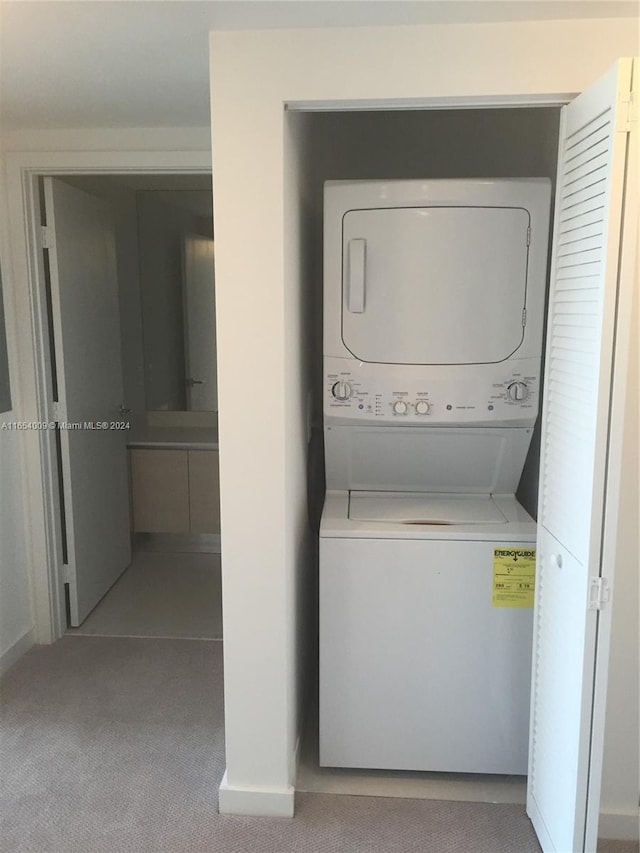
[[573, 475]]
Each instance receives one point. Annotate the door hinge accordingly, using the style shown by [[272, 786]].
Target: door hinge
[[46, 236], [529, 235], [628, 111], [66, 573], [55, 411], [524, 317], [599, 593]]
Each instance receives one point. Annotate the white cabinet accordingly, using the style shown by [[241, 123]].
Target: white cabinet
[[175, 491]]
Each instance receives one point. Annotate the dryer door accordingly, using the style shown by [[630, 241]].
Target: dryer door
[[434, 285]]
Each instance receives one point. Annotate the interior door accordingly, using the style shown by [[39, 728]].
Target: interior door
[[565, 756], [200, 324], [86, 328]]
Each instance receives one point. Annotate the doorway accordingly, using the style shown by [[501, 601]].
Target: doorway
[[163, 341]]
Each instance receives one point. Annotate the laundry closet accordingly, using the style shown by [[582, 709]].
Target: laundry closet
[[396, 149], [378, 148]]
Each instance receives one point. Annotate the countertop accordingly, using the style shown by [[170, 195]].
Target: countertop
[[175, 438]]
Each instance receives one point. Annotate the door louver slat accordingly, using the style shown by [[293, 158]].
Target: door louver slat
[[584, 244], [591, 133], [582, 160], [593, 188], [594, 178], [592, 233], [579, 222], [572, 212]]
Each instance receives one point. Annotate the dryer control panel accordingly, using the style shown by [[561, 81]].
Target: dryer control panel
[[491, 394]]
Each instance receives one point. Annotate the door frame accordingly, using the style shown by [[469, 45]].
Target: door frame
[[25, 283]]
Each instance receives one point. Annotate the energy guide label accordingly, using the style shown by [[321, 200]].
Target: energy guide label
[[514, 576]]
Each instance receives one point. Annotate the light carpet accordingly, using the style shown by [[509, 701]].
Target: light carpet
[[174, 595], [116, 746]]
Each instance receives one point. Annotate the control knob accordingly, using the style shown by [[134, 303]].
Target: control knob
[[400, 407], [422, 407], [341, 390], [518, 391]]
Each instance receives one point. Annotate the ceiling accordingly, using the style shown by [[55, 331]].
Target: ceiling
[[144, 63]]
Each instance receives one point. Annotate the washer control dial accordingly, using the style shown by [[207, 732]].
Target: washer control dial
[[341, 390], [400, 407], [422, 407], [518, 391]]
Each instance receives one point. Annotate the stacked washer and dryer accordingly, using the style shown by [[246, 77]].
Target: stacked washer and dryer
[[434, 294]]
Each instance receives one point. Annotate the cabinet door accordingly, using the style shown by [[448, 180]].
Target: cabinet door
[[160, 483], [204, 491]]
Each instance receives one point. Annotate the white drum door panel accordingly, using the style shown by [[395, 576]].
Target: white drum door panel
[[586, 286], [434, 285]]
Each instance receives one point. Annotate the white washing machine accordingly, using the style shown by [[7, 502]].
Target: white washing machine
[[433, 311]]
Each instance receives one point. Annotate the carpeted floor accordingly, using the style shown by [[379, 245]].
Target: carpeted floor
[[113, 745]]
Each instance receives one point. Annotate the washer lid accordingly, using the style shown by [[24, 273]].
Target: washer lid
[[416, 508], [434, 285]]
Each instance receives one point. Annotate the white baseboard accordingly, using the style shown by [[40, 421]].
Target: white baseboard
[[15, 652], [258, 802], [619, 825]]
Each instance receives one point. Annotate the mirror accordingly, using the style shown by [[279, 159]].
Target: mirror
[[176, 259]]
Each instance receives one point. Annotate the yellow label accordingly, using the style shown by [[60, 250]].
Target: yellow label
[[514, 575]]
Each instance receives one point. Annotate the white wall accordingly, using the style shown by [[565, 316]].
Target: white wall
[[619, 815], [16, 623], [253, 74], [17, 632]]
